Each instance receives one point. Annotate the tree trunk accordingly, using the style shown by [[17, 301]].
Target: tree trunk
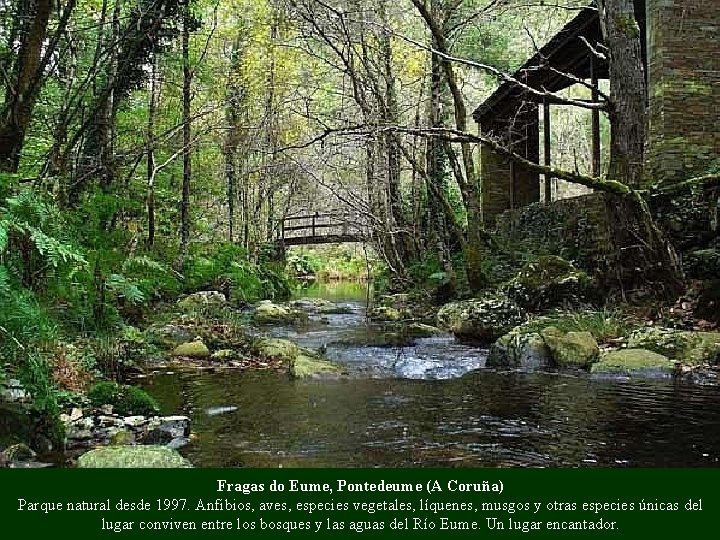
[[21, 92], [628, 93], [151, 155], [187, 151]]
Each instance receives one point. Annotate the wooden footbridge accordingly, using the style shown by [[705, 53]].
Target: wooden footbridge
[[321, 228]]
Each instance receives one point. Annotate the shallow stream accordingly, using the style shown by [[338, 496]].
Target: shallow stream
[[431, 403]]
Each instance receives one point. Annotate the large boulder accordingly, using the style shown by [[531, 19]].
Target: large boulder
[[280, 349], [634, 363], [519, 348], [167, 336], [549, 282], [267, 312], [307, 364], [301, 362], [192, 349], [481, 320], [570, 349], [202, 300], [145, 457], [691, 348]]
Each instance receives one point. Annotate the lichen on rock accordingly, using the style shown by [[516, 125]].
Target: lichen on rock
[[482, 319]]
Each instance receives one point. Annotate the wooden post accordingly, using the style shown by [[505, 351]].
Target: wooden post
[[595, 119], [546, 151], [315, 215]]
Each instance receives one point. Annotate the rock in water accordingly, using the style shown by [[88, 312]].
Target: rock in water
[[482, 319], [634, 362], [147, 457], [571, 349], [192, 349]]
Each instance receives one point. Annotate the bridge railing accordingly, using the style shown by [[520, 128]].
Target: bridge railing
[[317, 225]]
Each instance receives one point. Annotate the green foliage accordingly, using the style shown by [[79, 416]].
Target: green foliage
[[228, 269], [125, 399], [604, 325]]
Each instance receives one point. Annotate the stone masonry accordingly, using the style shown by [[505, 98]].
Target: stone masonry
[[683, 43]]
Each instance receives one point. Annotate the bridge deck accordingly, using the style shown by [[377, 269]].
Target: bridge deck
[[326, 228]]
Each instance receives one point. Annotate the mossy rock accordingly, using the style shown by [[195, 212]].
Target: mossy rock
[[192, 349], [125, 399], [167, 336], [267, 313], [634, 362], [202, 300], [691, 348], [481, 320], [309, 365], [570, 349], [281, 349], [126, 457], [549, 282], [521, 349], [385, 314]]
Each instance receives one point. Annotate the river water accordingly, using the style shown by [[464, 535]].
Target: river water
[[431, 403]]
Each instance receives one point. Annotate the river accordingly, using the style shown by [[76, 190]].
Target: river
[[431, 403]]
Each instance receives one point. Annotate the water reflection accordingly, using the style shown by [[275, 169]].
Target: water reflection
[[487, 419]]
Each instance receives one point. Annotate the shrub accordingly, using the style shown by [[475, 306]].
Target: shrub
[[125, 399]]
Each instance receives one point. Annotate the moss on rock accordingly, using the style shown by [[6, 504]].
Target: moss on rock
[[192, 349], [692, 348], [146, 457], [570, 349], [634, 362], [280, 349], [309, 365], [519, 348], [267, 312], [549, 282], [481, 319]]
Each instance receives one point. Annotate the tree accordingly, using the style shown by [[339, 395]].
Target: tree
[[627, 90]]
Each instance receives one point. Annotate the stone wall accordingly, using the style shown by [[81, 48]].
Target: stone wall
[[576, 229], [683, 43]]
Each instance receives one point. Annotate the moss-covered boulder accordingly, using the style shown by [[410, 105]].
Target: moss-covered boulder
[[192, 349], [481, 320], [307, 364], [549, 282], [634, 363], [691, 348], [167, 336], [202, 300], [125, 457], [125, 399], [280, 349], [570, 349], [300, 362], [521, 349], [420, 330], [267, 312]]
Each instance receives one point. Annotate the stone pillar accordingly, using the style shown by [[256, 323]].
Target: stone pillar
[[507, 185], [683, 44]]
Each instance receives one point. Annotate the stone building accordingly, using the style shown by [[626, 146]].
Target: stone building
[[681, 50]]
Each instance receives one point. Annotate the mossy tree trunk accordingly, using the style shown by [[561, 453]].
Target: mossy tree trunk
[[628, 92]]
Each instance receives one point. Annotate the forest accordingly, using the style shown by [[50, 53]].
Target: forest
[[255, 195]]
